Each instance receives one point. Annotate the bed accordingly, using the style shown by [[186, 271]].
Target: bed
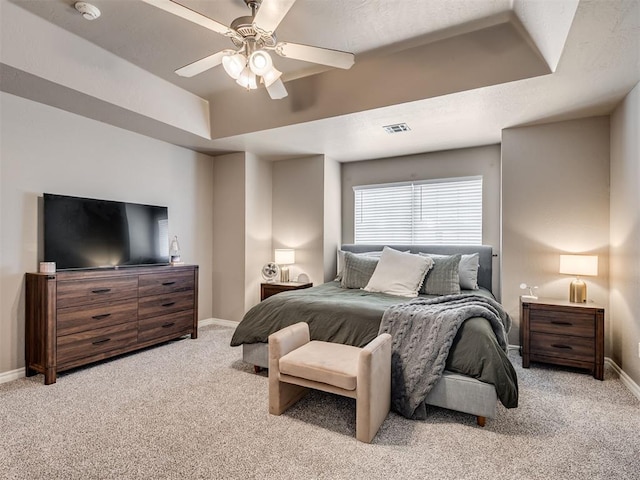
[[478, 373]]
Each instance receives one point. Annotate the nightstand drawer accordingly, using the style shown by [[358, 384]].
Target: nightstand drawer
[[269, 289], [573, 323], [570, 348]]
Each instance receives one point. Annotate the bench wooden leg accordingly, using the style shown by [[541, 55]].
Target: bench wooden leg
[[481, 420]]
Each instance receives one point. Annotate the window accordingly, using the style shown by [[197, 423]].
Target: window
[[444, 211]]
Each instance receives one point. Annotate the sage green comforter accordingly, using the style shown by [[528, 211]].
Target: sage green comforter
[[352, 317]]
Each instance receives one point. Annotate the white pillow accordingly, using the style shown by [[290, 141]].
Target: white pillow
[[468, 271], [399, 273]]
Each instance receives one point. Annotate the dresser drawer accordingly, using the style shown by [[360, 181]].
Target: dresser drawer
[[78, 319], [101, 290], [571, 348], [165, 326], [157, 305], [164, 283], [94, 343], [561, 323]]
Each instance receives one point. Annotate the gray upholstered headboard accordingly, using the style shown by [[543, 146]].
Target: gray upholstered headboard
[[486, 255]]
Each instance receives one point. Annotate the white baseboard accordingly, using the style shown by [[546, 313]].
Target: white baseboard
[[217, 321], [12, 375], [626, 380]]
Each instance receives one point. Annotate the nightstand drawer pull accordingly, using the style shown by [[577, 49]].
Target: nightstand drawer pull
[[100, 317], [100, 342], [168, 324], [101, 290], [168, 304], [557, 322], [168, 283], [564, 347]]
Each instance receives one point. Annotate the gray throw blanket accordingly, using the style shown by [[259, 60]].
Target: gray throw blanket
[[423, 331]]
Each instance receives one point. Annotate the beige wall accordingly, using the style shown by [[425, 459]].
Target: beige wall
[[332, 216], [260, 206], [625, 235], [43, 149], [298, 213], [555, 199], [258, 225], [483, 161], [229, 236]]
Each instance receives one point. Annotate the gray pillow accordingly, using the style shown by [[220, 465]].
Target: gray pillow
[[341, 253], [357, 271], [468, 271], [443, 278]]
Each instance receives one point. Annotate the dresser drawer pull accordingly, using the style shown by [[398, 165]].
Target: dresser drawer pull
[[100, 342], [168, 304], [168, 324], [168, 283], [100, 317], [564, 347], [557, 322], [101, 290]]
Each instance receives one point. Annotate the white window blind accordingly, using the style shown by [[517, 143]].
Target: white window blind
[[444, 211]]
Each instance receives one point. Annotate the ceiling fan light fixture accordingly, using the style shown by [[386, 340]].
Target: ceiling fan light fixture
[[247, 79], [234, 64], [271, 76], [260, 62]]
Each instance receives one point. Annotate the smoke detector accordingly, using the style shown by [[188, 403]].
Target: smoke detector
[[88, 11]]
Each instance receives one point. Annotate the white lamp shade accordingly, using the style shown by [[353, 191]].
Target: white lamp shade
[[260, 62], [285, 256], [247, 79], [234, 64], [579, 264], [270, 76]]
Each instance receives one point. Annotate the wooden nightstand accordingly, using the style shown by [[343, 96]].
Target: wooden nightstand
[[562, 333], [268, 289]]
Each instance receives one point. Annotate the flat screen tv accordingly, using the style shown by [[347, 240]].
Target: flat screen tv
[[81, 233]]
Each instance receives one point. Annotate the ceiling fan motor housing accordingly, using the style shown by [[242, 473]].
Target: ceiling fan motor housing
[[244, 26]]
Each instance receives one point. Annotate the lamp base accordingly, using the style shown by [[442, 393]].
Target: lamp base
[[284, 274], [578, 291]]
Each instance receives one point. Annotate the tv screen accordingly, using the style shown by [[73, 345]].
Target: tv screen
[[91, 233]]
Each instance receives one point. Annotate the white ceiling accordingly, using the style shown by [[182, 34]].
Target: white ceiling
[[594, 68]]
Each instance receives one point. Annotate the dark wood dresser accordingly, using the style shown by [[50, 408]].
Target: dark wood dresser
[[562, 333], [77, 317]]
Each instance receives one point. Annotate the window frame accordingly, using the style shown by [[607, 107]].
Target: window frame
[[417, 233]]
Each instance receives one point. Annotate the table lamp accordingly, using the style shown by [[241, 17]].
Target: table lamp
[[284, 258], [578, 265]]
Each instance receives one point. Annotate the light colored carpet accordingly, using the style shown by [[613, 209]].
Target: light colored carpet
[[192, 409]]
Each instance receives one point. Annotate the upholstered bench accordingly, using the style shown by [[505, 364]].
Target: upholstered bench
[[296, 364]]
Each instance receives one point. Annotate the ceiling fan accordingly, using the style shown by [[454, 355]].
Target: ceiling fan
[[254, 36]]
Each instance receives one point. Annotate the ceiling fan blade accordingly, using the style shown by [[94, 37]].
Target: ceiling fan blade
[[270, 14], [203, 64], [193, 16], [323, 56], [276, 90]]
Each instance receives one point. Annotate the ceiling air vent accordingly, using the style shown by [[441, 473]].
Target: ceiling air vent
[[396, 128]]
